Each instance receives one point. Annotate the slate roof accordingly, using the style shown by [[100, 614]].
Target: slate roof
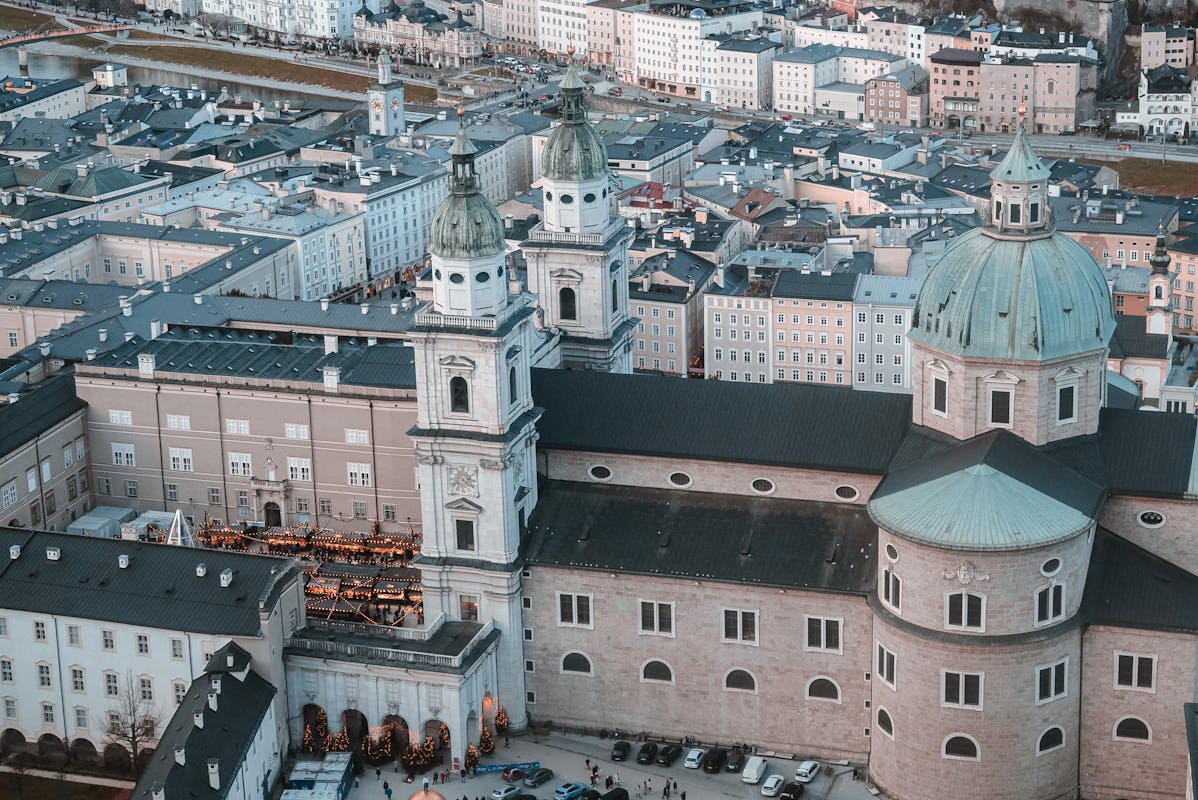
[[36, 412], [750, 540], [720, 420], [159, 588], [1130, 587], [226, 737], [230, 658], [95, 183], [1147, 453], [993, 492], [1132, 339], [838, 286]]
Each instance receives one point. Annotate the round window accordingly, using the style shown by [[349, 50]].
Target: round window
[[763, 486], [499, 272], [437, 274], [680, 479], [457, 277], [846, 492], [1050, 567], [891, 552], [600, 472], [482, 277], [1152, 519], [589, 197], [567, 199], [548, 195]]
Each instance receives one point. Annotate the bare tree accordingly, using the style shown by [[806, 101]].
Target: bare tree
[[219, 24], [133, 717]]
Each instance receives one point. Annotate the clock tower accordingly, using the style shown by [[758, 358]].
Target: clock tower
[[475, 429], [385, 101]]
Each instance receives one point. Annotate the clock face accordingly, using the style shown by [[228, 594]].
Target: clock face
[[377, 105], [395, 103], [463, 480]]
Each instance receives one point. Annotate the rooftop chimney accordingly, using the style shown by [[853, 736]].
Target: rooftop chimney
[[53, 553], [91, 354], [123, 561], [394, 309], [332, 378], [199, 299], [226, 577], [43, 347], [214, 773], [157, 792], [198, 719], [201, 569], [324, 304], [365, 308], [145, 365], [212, 698], [180, 756], [155, 328], [330, 343], [215, 681], [14, 551]]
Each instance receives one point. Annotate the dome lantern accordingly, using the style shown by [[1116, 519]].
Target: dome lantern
[[1019, 187]]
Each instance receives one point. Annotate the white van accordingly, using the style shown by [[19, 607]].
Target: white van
[[754, 769]]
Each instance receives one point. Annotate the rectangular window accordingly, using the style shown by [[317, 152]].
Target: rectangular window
[[294, 431], [237, 426], [389, 512], [5, 670], [1000, 407], [892, 589], [8, 494], [176, 648], [111, 684], [80, 718], [143, 644], [145, 688], [1134, 671], [1066, 408], [10, 708], [39, 631], [180, 692], [940, 395], [117, 417], [1050, 603], [107, 640], [1051, 681], [657, 618], [48, 713], [240, 464], [965, 610], [130, 488], [43, 675], [214, 496], [178, 423], [68, 457], [468, 607], [172, 491], [823, 633], [301, 506], [359, 509], [886, 664], [962, 689], [299, 469], [740, 626], [357, 474], [464, 531], [326, 506], [356, 436], [73, 637], [574, 609], [180, 459], [77, 679], [124, 455]]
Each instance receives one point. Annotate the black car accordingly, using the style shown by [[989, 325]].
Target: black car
[[736, 760], [590, 794], [537, 777], [714, 760], [647, 754], [791, 791], [667, 755], [620, 751]]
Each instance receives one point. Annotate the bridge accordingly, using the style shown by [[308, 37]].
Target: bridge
[[41, 36]]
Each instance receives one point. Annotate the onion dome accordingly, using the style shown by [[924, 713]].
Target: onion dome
[[573, 151], [466, 224]]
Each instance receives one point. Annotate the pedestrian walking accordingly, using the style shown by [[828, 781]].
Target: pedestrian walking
[[464, 778], [682, 796], [378, 773], [588, 765], [507, 741], [435, 778], [616, 777], [665, 792], [426, 784], [675, 787], [386, 786]]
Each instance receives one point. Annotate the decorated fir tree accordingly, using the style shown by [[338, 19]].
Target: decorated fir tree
[[486, 742], [309, 740], [501, 720], [443, 735], [471, 757], [322, 725]]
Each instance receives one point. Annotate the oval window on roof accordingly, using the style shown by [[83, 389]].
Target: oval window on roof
[[482, 277], [1050, 567], [437, 274], [548, 195], [599, 472], [589, 197], [567, 199], [1152, 519], [457, 277], [846, 492], [891, 552], [762, 486], [680, 479]]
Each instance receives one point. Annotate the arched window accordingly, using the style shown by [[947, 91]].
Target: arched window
[[1051, 739], [823, 689], [1158, 293], [961, 746], [965, 611], [615, 298], [459, 395], [512, 388], [576, 662], [885, 723], [568, 303], [1133, 728], [657, 671], [740, 680]]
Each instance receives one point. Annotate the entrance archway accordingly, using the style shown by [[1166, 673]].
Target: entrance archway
[[353, 722], [84, 753], [273, 515], [473, 731], [401, 736], [51, 750], [442, 740], [117, 759], [12, 740]]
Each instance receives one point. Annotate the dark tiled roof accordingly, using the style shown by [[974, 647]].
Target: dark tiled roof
[[1132, 339], [159, 588], [1130, 587], [752, 540], [816, 286], [230, 658], [777, 424], [1146, 452], [226, 737], [37, 412]]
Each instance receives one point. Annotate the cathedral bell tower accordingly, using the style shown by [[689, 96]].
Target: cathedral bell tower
[[475, 431], [578, 257], [1160, 285], [385, 101]]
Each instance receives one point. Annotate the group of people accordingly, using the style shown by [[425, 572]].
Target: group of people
[[644, 789]]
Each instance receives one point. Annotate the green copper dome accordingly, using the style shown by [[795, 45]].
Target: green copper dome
[[466, 224], [574, 151]]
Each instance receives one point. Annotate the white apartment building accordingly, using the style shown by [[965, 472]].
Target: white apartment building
[[898, 34], [737, 327], [807, 35], [828, 80], [882, 306], [521, 24], [306, 19], [563, 24], [669, 47], [745, 77]]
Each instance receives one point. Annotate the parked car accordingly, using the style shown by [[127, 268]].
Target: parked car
[[714, 760], [504, 793], [772, 785], [620, 751], [736, 760], [618, 793], [647, 754], [754, 770], [1124, 147], [667, 755], [512, 774], [537, 777], [694, 758], [590, 794], [569, 791], [663, 99], [807, 771], [791, 791]]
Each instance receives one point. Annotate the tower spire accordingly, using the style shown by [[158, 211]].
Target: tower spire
[[465, 178], [1160, 256]]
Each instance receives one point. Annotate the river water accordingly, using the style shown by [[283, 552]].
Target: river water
[[64, 66]]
